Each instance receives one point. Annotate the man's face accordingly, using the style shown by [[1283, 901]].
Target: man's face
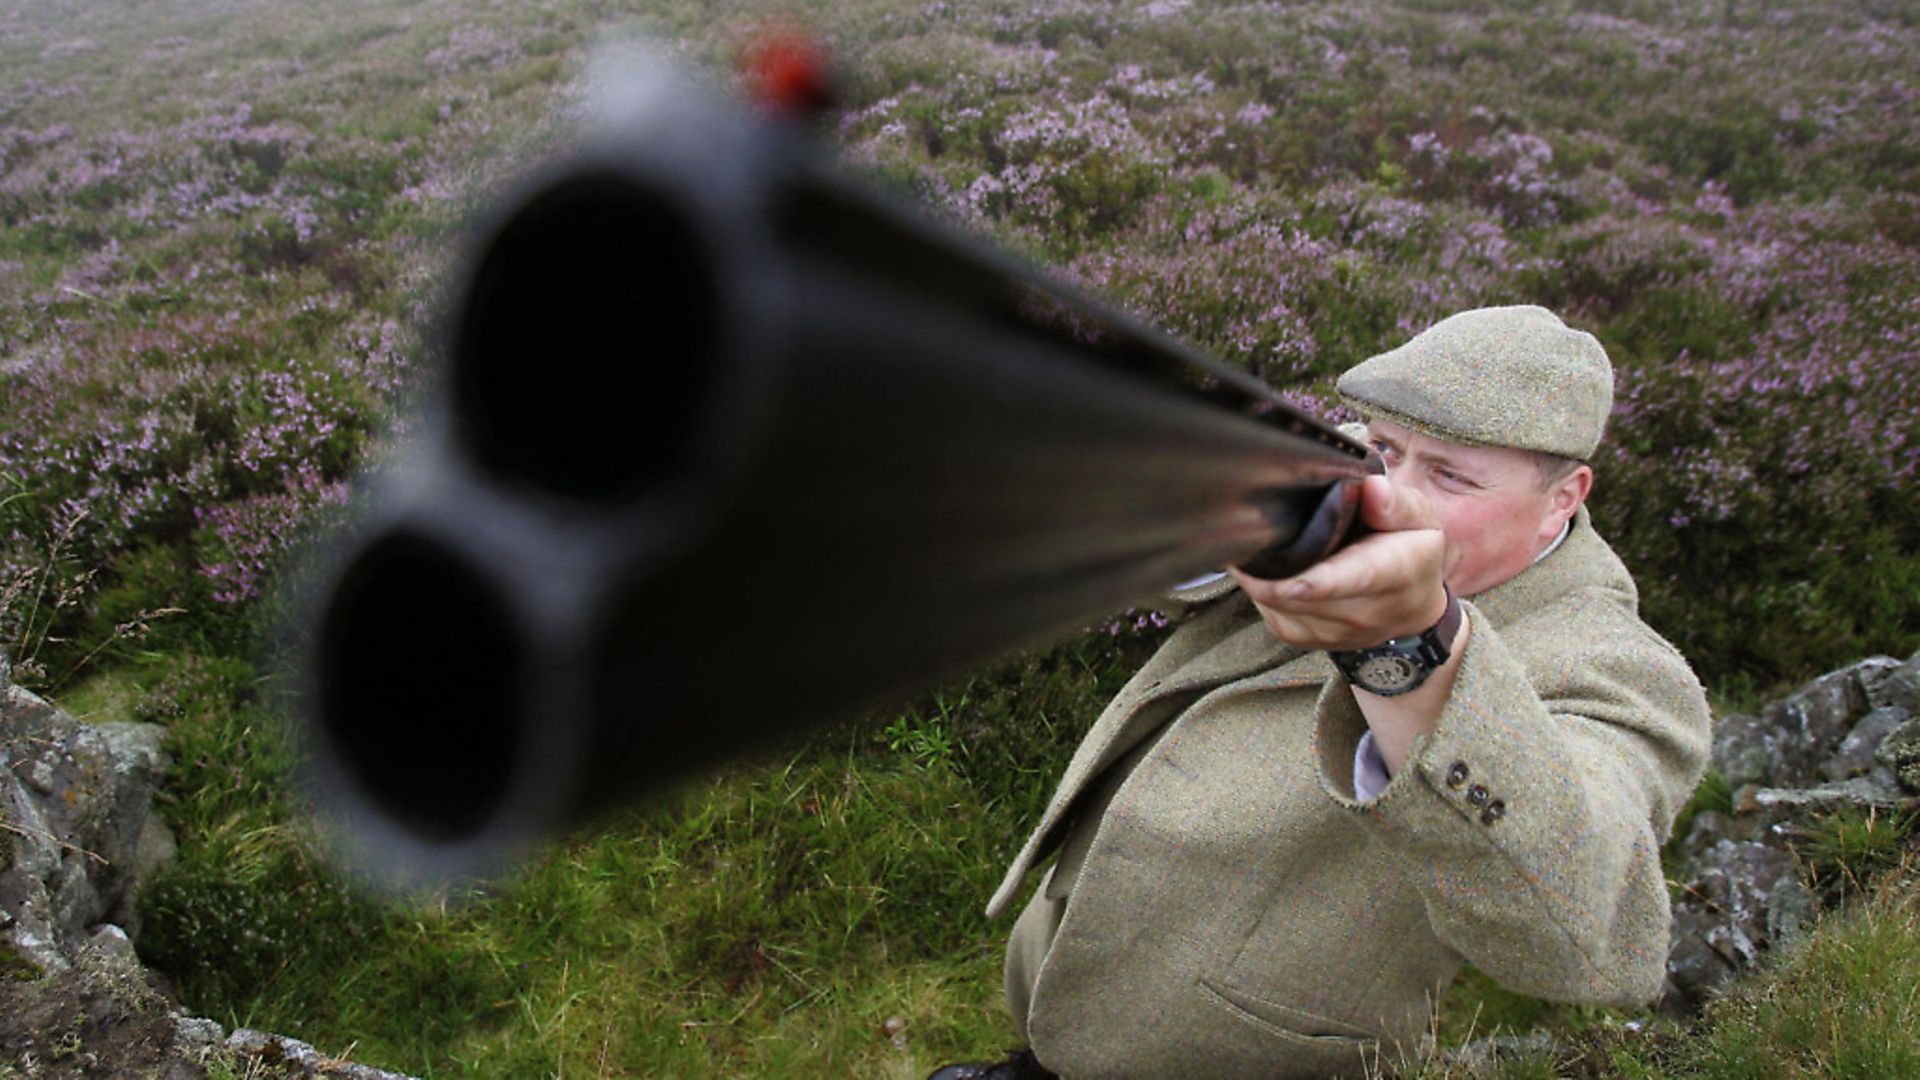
[[1491, 506]]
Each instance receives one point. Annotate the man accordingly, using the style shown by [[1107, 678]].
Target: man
[[1454, 741]]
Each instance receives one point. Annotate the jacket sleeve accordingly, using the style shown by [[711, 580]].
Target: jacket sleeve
[[1536, 809]]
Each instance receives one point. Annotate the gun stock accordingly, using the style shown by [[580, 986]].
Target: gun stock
[[732, 446]]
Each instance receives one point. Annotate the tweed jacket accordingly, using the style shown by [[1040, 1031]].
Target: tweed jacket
[[1223, 906]]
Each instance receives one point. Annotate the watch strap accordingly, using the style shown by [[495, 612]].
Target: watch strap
[[1423, 652]]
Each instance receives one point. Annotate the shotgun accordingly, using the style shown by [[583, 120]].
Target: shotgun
[[731, 445]]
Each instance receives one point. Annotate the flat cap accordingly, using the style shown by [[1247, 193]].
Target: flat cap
[[1505, 376]]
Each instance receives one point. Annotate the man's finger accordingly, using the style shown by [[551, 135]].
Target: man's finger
[[1359, 570], [1389, 507]]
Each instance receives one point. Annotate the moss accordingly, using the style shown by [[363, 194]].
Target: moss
[[15, 967]]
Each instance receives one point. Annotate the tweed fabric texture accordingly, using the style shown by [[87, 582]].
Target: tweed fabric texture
[[1507, 376], [1222, 906]]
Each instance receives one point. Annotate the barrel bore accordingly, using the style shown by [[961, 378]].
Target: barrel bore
[[421, 680], [587, 341]]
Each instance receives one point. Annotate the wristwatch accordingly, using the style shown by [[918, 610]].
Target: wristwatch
[[1402, 664]]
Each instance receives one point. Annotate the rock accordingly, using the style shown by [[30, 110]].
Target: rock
[[35, 859], [1747, 900], [1864, 792], [1741, 750], [1709, 828], [1789, 742], [1900, 752], [1873, 674], [24, 709], [1855, 756], [156, 848], [1695, 968], [197, 1034], [1803, 729], [1849, 738], [1898, 687], [280, 1052], [1485, 1056], [77, 799], [112, 945]]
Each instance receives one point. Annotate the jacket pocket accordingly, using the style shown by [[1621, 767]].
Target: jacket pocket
[[1322, 1045]]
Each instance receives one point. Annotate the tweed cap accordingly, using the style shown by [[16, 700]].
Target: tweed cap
[[1505, 376]]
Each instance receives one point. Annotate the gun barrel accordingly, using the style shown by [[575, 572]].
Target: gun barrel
[[733, 446]]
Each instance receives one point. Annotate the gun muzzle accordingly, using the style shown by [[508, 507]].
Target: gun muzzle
[[732, 446]]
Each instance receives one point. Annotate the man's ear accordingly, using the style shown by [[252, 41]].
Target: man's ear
[[1566, 497]]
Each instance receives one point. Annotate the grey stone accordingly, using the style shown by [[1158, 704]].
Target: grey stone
[[1900, 752], [279, 1049], [40, 775], [1792, 739], [110, 945], [155, 849], [1803, 729], [24, 712], [1747, 900], [195, 1034], [1864, 792], [1899, 687], [1741, 750], [1709, 829], [1695, 968], [1487, 1055], [1855, 756], [36, 863], [6, 674], [1872, 674], [77, 799]]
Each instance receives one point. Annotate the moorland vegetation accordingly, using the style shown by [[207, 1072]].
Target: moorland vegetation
[[223, 231]]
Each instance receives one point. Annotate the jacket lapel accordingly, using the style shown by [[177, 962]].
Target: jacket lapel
[[1222, 646]]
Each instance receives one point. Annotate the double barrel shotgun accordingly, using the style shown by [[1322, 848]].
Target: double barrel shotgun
[[730, 445]]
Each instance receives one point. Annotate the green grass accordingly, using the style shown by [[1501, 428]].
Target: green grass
[[1845, 1003], [1847, 847], [818, 913]]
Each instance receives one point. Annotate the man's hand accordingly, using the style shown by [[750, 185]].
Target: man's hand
[[1388, 585]]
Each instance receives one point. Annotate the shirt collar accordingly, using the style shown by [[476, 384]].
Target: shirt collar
[[1565, 528]]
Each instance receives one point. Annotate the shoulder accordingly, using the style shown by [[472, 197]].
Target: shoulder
[[1588, 652]]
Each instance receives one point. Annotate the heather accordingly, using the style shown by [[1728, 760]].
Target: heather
[[223, 226], [222, 244]]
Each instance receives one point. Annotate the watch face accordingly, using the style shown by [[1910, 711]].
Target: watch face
[[1386, 673]]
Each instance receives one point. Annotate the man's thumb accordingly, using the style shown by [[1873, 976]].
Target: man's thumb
[[1388, 507]]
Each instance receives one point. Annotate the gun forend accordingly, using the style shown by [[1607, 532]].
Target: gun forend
[[732, 446]]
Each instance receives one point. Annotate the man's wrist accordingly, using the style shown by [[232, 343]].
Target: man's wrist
[[1400, 665], [1398, 721]]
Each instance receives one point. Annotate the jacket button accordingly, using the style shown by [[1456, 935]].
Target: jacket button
[[1457, 774], [1477, 795], [1494, 812]]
